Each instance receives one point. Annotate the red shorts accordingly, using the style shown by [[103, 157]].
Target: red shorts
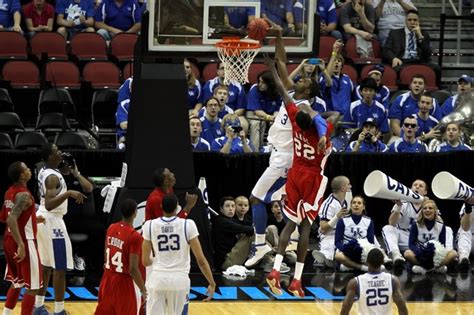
[[118, 295], [28, 272], [304, 191]]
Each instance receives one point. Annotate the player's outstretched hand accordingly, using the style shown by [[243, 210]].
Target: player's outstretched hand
[[77, 196], [210, 292], [191, 200], [322, 144], [20, 253], [274, 28]]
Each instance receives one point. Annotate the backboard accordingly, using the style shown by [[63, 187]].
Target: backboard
[[194, 26]]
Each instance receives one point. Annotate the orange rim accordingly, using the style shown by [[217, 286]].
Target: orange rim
[[236, 43]]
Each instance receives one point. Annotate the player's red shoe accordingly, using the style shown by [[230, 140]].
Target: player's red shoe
[[273, 280], [296, 289]]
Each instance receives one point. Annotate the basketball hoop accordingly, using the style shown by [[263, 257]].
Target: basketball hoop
[[237, 56]]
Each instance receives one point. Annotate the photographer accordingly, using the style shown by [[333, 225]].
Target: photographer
[[234, 141], [80, 218], [368, 139]]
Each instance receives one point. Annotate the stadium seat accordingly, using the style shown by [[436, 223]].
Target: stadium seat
[[30, 140], [389, 76], [51, 43], [122, 46], [21, 74], [351, 52], [351, 72], [6, 104], [56, 100], [325, 47], [70, 140], [104, 107], [5, 141], [14, 46], [210, 71], [440, 96], [10, 122], [254, 70], [408, 71], [64, 74], [128, 70], [88, 46], [53, 120], [102, 75]]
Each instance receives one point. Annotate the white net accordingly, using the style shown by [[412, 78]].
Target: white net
[[237, 56]]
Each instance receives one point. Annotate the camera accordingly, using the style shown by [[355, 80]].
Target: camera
[[68, 161], [237, 129], [368, 137], [313, 61]]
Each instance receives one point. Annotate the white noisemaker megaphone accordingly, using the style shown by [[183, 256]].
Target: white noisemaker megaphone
[[380, 185], [447, 186]]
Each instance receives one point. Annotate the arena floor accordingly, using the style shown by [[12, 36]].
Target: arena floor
[[433, 294]]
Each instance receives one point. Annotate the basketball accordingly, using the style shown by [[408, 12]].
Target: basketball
[[257, 29]]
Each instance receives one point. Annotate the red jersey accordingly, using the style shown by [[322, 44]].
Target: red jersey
[[27, 219], [305, 143], [153, 209], [121, 241]]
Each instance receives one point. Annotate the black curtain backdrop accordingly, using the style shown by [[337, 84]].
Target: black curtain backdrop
[[236, 175]]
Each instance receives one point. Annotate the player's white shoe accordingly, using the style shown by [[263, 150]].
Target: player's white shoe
[[442, 269], [418, 269], [256, 254]]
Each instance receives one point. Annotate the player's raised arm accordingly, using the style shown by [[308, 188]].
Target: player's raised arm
[[278, 84], [349, 299], [22, 202]]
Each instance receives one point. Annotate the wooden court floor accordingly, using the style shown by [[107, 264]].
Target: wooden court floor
[[284, 308]]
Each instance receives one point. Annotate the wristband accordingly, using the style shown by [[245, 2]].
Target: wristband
[[334, 54], [333, 222]]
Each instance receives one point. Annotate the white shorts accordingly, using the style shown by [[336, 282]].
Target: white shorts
[[54, 245], [168, 293], [271, 185]]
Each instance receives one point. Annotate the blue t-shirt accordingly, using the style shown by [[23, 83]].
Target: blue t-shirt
[[123, 17], [402, 146], [318, 104], [257, 100], [72, 10], [194, 95], [211, 130], [378, 146], [382, 95], [239, 16], [7, 8], [201, 146], [405, 105], [236, 147], [425, 125], [236, 98], [124, 95], [359, 112], [226, 110], [326, 9], [276, 10], [448, 105], [338, 96], [446, 147]]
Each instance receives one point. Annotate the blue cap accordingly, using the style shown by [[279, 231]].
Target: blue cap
[[232, 123], [377, 68], [370, 120], [465, 78]]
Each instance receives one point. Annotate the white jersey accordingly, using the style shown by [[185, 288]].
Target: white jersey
[[375, 293], [408, 214], [170, 242], [329, 208], [280, 133], [355, 231], [425, 235], [43, 174]]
